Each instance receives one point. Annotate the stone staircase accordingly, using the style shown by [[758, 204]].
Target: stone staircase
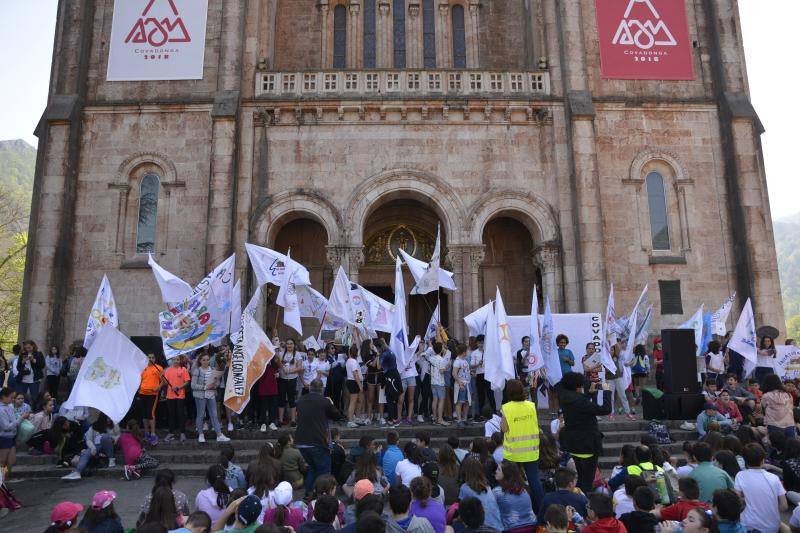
[[193, 459]]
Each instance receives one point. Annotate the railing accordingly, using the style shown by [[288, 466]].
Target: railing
[[401, 83]]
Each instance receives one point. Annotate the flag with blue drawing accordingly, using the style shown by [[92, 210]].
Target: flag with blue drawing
[[399, 340], [433, 326], [744, 339], [104, 312]]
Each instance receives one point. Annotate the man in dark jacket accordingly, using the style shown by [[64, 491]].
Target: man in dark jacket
[[311, 436], [581, 436], [641, 520]]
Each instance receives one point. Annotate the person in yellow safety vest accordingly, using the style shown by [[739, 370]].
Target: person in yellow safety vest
[[520, 427], [644, 458]]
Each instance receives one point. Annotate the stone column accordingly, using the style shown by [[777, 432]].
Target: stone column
[[326, 58], [455, 257], [548, 259], [384, 37], [355, 36], [474, 255], [414, 35], [444, 43], [471, 26], [349, 257]]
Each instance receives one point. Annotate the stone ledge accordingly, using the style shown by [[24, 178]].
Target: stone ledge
[[667, 260]]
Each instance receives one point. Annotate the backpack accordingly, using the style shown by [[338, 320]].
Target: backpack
[[658, 430]]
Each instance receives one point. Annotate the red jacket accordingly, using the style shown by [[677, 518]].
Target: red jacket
[[731, 409], [605, 525], [267, 385]]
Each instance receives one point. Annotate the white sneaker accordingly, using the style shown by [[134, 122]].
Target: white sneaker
[[273, 427], [112, 463], [352, 425], [222, 438], [688, 426], [201, 438], [382, 421], [420, 419], [74, 476], [230, 427], [263, 428]]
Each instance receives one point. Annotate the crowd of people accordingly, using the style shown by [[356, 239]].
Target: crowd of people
[[740, 475]]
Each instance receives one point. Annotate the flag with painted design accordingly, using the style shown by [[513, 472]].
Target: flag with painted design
[[103, 313]]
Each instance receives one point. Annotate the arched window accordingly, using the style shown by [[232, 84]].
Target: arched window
[[148, 214], [369, 33], [429, 33], [340, 37], [657, 202], [459, 37], [399, 18]]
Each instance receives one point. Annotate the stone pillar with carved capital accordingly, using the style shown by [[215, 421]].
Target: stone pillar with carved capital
[[414, 34], [327, 35], [457, 256], [548, 259], [472, 34], [444, 43], [355, 35], [346, 256], [384, 37]]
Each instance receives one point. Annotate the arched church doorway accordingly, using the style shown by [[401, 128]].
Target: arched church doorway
[[410, 225], [307, 240], [509, 264]]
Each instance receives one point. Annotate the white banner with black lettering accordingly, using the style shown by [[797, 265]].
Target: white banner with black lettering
[[580, 328], [157, 40]]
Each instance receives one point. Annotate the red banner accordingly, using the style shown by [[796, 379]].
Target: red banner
[[644, 40]]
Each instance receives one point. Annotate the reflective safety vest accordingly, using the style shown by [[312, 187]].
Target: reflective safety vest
[[521, 441]]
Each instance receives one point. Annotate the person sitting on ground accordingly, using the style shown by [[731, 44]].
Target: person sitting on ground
[[763, 493], [391, 456], [641, 519], [623, 496], [601, 516], [64, 517], [728, 507], [364, 443], [370, 522], [325, 516], [164, 478], [133, 455], [266, 457], [293, 465], [689, 492], [476, 485], [430, 471], [460, 451], [448, 474], [283, 514], [262, 485], [691, 464], [369, 502], [709, 419], [401, 521], [362, 490], [743, 398], [471, 512], [492, 424], [516, 509], [555, 519], [325, 486], [163, 510], [709, 477], [410, 467], [728, 408], [423, 441], [424, 506], [198, 522], [234, 476], [367, 468], [215, 498], [698, 520], [247, 510], [565, 494], [101, 516], [100, 440]]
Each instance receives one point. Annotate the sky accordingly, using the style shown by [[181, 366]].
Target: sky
[[769, 28]]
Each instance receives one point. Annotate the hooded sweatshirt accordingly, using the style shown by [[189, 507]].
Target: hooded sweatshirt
[[316, 527], [778, 409], [640, 521], [414, 524], [606, 525]]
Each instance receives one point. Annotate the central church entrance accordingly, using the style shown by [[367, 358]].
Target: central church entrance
[[409, 225]]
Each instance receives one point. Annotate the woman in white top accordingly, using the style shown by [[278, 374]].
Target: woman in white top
[[408, 374], [320, 368], [440, 364], [291, 367], [354, 386], [204, 390], [410, 467]]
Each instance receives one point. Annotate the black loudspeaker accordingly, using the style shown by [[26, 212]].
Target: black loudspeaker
[[680, 362], [652, 407], [691, 405]]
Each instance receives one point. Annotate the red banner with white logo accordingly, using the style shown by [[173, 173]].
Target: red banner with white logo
[[644, 40], [157, 40]]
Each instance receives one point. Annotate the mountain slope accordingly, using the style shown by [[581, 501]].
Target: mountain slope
[[787, 243]]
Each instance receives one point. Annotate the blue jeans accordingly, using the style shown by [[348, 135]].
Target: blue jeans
[[106, 447], [31, 390], [202, 404], [790, 432], [532, 473], [318, 460]]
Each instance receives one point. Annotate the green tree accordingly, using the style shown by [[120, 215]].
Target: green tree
[[793, 327]]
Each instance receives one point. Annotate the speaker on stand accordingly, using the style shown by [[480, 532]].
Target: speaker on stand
[[682, 398]]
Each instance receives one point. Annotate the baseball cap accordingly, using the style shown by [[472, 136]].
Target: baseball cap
[[65, 511], [362, 488], [709, 405], [282, 495], [249, 510], [103, 499], [431, 471]]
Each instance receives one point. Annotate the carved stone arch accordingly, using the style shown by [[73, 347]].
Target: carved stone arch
[[269, 217], [128, 167], [646, 156], [404, 184], [530, 210]]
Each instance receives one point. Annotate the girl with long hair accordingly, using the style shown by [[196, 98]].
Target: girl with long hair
[[410, 467], [268, 457], [778, 407], [513, 500], [367, 468], [369, 357], [163, 511], [214, 499], [100, 439], [262, 485], [234, 476], [283, 514], [291, 366], [475, 485], [355, 386], [424, 506], [164, 478], [204, 389], [765, 360], [725, 460], [448, 473], [101, 517]]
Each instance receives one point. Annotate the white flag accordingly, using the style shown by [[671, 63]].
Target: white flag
[[787, 361], [312, 304], [719, 318], [627, 355], [109, 376], [398, 342], [499, 363], [340, 310], [696, 323], [418, 268], [104, 312], [173, 288], [535, 358], [552, 361], [249, 360], [379, 311], [609, 335], [429, 281], [221, 281], [271, 266], [252, 305], [287, 298], [643, 328], [433, 325], [476, 321], [744, 339], [236, 311]]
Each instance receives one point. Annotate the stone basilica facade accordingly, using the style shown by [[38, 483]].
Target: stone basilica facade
[[346, 129]]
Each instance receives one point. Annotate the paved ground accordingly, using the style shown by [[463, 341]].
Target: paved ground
[[39, 497]]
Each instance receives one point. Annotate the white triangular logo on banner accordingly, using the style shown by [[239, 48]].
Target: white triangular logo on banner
[[643, 35]]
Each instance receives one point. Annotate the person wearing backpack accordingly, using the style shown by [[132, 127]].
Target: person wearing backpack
[[652, 474]]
